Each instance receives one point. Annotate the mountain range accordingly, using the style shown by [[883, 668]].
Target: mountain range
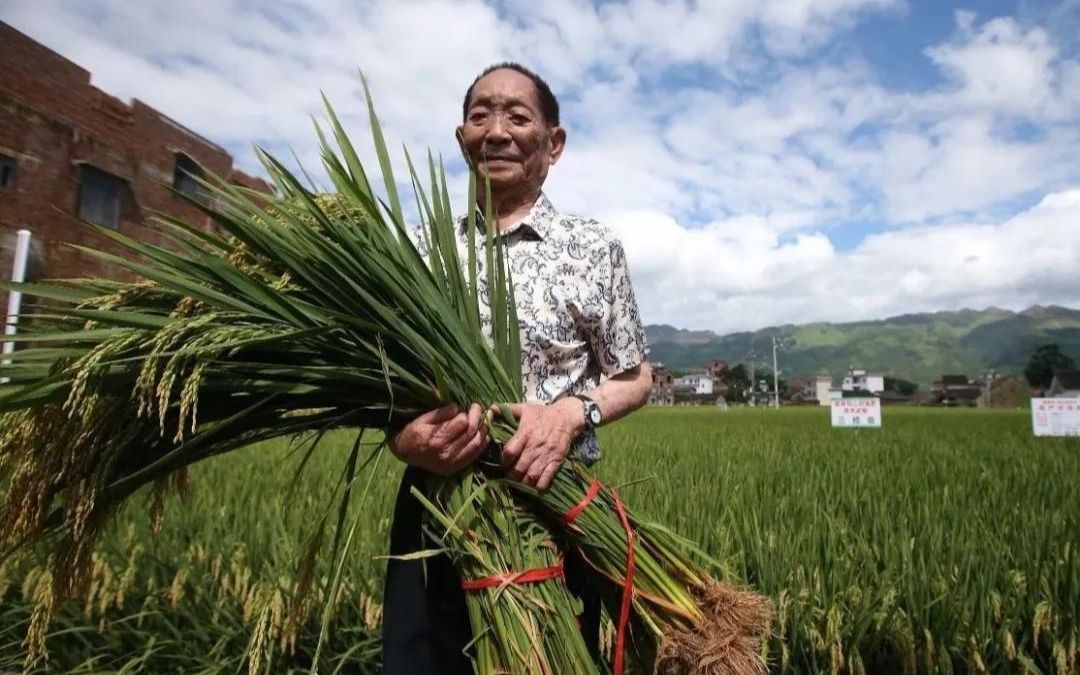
[[916, 347]]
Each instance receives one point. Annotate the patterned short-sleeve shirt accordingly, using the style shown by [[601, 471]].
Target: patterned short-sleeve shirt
[[576, 309]]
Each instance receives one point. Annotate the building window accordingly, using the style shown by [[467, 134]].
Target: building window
[[186, 175], [99, 197], [7, 171]]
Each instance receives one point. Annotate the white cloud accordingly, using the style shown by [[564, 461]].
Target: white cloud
[[723, 140], [793, 26], [998, 66], [740, 274], [960, 164]]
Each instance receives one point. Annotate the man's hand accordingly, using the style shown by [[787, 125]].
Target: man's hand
[[542, 440], [442, 441]]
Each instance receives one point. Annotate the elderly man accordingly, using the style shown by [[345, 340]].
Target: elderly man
[[584, 362]]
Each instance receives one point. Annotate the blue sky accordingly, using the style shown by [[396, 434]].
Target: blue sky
[[753, 155]]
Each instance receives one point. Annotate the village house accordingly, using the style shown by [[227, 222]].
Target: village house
[[716, 370], [1066, 384], [663, 386], [71, 152], [954, 390], [801, 389], [856, 382], [708, 381], [824, 392], [701, 386]]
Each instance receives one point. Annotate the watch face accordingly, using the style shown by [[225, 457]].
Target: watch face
[[594, 416]]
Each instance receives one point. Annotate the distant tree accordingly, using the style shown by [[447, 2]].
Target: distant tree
[[1042, 364], [737, 380], [769, 384], [900, 386]]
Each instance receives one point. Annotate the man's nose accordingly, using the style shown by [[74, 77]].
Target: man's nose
[[497, 129]]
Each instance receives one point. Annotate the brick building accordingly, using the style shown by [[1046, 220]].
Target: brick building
[[663, 386], [70, 151]]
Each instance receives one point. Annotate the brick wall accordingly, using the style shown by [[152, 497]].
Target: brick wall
[[663, 387], [53, 121]]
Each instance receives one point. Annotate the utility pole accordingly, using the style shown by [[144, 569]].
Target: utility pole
[[775, 377], [18, 275], [778, 344], [988, 387]]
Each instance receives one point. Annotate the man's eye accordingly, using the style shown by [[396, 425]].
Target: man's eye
[[519, 119], [478, 116]]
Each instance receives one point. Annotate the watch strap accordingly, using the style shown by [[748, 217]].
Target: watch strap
[[593, 416]]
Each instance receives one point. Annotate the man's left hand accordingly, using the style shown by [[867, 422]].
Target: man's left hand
[[542, 440]]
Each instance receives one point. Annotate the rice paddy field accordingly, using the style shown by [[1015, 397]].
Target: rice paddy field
[[945, 542]]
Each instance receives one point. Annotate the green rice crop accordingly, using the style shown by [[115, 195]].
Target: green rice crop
[[945, 542]]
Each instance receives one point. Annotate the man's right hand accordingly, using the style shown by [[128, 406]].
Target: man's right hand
[[442, 441]]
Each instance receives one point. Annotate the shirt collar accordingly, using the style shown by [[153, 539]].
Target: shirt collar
[[539, 221]]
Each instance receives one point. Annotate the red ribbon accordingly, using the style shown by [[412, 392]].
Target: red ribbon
[[631, 566], [572, 514], [516, 578], [628, 586]]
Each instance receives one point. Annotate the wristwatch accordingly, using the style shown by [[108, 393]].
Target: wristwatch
[[593, 417]]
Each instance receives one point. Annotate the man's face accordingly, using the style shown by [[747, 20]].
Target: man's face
[[505, 135]]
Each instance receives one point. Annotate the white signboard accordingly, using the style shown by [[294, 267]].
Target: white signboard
[[1055, 416], [856, 412]]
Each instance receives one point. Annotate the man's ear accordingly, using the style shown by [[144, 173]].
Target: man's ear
[[558, 143]]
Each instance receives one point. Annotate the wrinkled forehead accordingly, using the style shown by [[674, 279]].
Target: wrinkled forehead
[[505, 87]]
